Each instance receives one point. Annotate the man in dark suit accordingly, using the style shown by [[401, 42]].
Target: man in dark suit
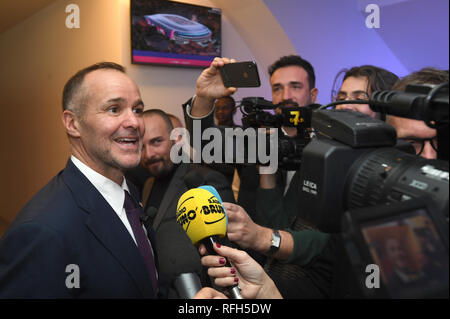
[[80, 235], [161, 192]]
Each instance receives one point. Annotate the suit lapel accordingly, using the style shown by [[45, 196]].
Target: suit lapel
[[107, 227]]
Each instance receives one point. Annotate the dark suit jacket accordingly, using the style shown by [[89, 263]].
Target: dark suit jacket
[[68, 222], [176, 253]]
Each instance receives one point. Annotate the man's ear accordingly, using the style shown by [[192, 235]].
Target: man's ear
[[314, 93], [71, 123]]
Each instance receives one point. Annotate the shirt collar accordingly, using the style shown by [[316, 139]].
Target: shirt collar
[[111, 191]]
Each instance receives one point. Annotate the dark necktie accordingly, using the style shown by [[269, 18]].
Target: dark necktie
[[141, 239]]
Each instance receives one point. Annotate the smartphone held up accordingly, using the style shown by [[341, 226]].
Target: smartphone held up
[[240, 75]]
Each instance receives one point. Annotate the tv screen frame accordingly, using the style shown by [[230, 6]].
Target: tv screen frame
[[173, 33]]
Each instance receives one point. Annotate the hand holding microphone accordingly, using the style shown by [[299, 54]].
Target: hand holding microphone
[[253, 280], [243, 230], [203, 217]]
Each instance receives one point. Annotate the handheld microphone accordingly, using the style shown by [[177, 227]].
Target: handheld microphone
[[204, 220], [187, 285], [213, 191]]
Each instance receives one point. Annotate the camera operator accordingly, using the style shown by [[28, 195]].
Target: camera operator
[[282, 212], [359, 83], [422, 137], [293, 80]]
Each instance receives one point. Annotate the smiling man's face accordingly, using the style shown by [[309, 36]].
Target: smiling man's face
[[111, 124]]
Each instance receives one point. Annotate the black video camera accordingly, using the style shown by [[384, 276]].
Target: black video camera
[[289, 148], [355, 161], [389, 205]]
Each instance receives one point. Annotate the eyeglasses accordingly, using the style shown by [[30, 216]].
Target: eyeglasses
[[359, 95], [419, 143]]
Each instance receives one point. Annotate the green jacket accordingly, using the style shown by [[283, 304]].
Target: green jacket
[[283, 212]]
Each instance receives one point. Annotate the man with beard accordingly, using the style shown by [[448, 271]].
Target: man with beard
[[161, 192], [292, 80]]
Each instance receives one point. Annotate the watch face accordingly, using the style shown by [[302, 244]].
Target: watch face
[[276, 239], [275, 243]]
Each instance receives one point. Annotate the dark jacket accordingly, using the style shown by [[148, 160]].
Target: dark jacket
[[68, 222], [176, 253]]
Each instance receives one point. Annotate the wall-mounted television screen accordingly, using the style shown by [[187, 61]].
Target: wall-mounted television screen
[[174, 33]]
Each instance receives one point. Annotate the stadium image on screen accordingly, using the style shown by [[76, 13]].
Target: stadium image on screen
[[174, 33]]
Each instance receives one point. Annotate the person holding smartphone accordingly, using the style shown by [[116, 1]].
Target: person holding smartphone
[[293, 82]]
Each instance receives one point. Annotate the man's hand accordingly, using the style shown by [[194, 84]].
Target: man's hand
[[210, 87], [243, 231]]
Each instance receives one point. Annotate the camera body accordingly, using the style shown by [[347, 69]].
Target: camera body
[[355, 161], [359, 182], [291, 115]]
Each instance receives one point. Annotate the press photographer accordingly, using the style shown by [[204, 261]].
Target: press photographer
[[292, 78]]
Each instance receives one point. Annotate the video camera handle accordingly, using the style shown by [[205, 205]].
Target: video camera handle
[[420, 102], [250, 104], [428, 103]]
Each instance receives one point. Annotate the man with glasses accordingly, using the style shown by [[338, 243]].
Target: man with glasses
[[409, 130], [359, 83], [422, 137]]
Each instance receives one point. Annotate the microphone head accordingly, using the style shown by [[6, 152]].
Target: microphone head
[[201, 214], [213, 191]]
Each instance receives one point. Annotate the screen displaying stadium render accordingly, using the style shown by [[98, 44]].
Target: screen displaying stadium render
[[174, 33]]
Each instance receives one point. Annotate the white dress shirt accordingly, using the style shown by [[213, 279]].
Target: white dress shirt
[[111, 191]]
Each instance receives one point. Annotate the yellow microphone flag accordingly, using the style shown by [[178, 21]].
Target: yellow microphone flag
[[201, 215]]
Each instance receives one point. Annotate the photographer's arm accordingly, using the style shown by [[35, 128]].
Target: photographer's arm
[[267, 181], [273, 208], [263, 243], [210, 87], [298, 247], [247, 234]]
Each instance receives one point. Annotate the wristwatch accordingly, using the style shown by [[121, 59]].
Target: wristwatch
[[275, 243]]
